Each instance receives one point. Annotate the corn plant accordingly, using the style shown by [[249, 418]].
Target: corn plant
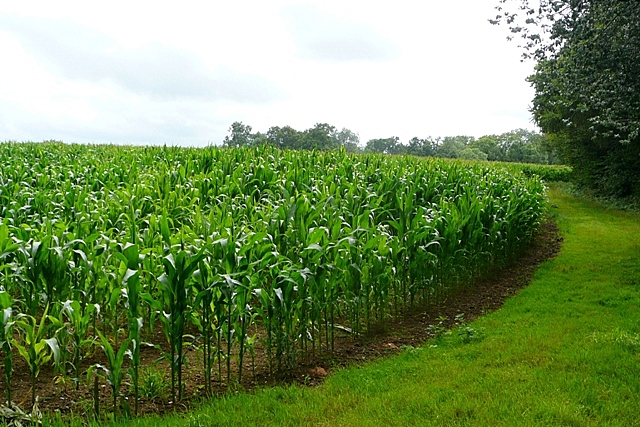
[[34, 347], [178, 271], [227, 304], [34, 255], [113, 372], [204, 300], [78, 324], [129, 268], [80, 268], [55, 271], [252, 250], [7, 249], [6, 338]]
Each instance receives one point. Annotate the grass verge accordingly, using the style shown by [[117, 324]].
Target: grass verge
[[564, 352]]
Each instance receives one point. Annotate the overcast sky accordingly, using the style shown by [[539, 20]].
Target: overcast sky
[[135, 72]]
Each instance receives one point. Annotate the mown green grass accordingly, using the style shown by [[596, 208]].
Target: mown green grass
[[564, 352]]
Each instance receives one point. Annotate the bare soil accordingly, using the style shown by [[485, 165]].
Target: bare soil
[[57, 394]]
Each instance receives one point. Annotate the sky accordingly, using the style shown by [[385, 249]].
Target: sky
[[180, 73]]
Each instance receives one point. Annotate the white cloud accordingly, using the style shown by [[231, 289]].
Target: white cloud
[[322, 36], [152, 72]]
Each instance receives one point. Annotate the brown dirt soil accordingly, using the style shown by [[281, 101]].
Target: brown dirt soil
[[57, 394]]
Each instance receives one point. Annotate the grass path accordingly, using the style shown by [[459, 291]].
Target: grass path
[[564, 352]]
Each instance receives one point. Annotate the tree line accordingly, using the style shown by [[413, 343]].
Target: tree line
[[587, 85], [518, 145]]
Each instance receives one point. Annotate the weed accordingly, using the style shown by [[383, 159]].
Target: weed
[[468, 334], [439, 329], [153, 384]]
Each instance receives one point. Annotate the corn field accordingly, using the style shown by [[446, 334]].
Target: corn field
[[100, 246]]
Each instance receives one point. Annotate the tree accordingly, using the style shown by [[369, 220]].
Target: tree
[[524, 146], [239, 135], [587, 90], [472, 153], [320, 137], [488, 144], [259, 138], [284, 137], [452, 146], [421, 147], [384, 145], [349, 140]]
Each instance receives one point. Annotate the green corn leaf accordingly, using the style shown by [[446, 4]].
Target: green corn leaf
[[164, 230], [55, 349]]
